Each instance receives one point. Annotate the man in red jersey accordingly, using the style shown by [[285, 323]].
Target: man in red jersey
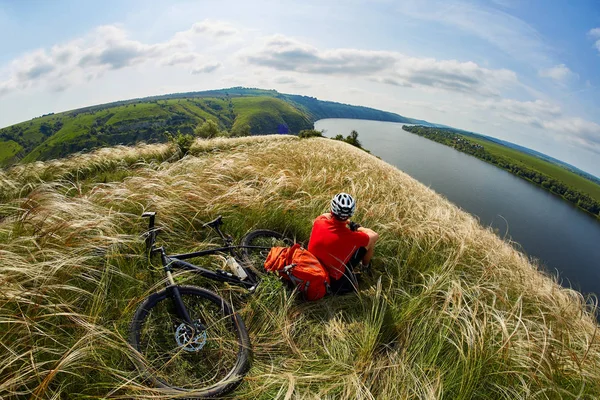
[[341, 245]]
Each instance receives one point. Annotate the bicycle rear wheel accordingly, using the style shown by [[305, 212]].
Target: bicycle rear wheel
[[205, 360], [258, 243]]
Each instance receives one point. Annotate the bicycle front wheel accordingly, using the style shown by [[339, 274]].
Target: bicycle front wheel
[[257, 244], [207, 359]]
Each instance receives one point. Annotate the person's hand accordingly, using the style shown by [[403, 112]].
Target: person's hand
[[353, 226]]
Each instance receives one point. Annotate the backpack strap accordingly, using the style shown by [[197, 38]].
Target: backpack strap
[[288, 267], [293, 279]]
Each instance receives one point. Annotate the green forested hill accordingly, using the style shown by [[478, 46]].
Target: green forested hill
[[236, 110]]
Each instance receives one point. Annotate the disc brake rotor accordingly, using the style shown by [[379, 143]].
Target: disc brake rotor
[[191, 339]]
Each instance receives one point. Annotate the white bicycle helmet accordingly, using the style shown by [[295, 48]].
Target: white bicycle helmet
[[343, 206]]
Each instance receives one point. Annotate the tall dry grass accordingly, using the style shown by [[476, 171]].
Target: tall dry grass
[[451, 311], [21, 179]]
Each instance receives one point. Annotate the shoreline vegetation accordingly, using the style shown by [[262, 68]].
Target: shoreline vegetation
[[477, 148], [450, 310]]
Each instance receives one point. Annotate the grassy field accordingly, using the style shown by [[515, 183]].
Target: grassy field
[[82, 130], [8, 149], [450, 311], [121, 124], [265, 114], [240, 111], [542, 166]]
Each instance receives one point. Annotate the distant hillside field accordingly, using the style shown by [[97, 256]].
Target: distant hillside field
[[562, 174], [449, 311], [553, 177], [8, 151], [238, 111], [269, 115]]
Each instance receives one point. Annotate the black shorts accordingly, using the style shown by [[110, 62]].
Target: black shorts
[[347, 282]]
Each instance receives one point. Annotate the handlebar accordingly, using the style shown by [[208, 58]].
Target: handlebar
[[214, 223], [151, 215], [152, 231]]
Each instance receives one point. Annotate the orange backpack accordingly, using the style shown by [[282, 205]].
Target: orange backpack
[[297, 265]]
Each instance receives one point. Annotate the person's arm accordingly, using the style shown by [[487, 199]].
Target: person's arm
[[373, 236]]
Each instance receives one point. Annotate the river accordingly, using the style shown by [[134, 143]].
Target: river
[[563, 238]]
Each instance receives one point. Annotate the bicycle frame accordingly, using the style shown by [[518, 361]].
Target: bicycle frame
[[171, 262], [217, 275], [177, 261]]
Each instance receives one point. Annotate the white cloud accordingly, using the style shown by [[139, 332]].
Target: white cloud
[[105, 48], [181, 58], [33, 66], [595, 33], [214, 28], [284, 80], [544, 115], [453, 76], [577, 130], [205, 69], [391, 81], [110, 48], [286, 54], [437, 106], [533, 113], [6, 87], [560, 73]]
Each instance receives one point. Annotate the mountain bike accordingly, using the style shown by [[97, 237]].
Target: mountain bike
[[188, 339]]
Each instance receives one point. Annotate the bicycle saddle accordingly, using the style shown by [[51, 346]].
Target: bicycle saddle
[[214, 223]]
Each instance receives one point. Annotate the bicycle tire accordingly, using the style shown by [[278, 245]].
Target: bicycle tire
[[254, 257], [206, 365]]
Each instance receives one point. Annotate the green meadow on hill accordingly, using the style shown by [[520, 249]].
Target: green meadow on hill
[[450, 310], [147, 121], [236, 111]]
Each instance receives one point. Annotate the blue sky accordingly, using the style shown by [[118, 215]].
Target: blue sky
[[523, 71]]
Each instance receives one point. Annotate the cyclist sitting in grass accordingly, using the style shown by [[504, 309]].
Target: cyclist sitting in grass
[[342, 245]]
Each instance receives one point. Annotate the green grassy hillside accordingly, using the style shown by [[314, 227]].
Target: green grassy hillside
[[239, 111], [8, 151], [557, 172], [128, 123], [449, 312], [266, 115], [57, 135]]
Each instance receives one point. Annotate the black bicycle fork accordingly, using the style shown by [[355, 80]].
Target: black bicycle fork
[[173, 289]]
